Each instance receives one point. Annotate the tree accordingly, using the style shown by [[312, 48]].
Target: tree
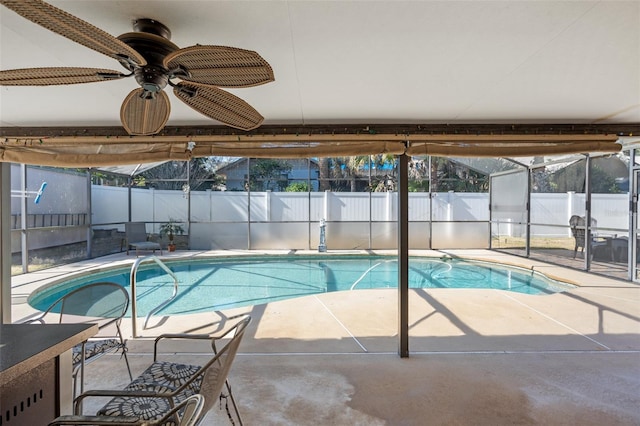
[[99, 177], [539, 177], [365, 172], [418, 175], [573, 178], [324, 174], [194, 175], [266, 174], [443, 174], [297, 187]]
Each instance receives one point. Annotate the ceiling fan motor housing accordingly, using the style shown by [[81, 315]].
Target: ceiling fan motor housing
[[151, 26], [151, 40]]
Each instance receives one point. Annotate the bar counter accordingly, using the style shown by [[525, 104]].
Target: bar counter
[[35, 370]]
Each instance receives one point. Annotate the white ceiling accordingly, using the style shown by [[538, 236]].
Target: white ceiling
[[362, 61]]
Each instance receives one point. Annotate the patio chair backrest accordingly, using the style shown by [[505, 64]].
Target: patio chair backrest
[[217, 369], [576, 223], [135, 232], [103, 303], [578, 230]]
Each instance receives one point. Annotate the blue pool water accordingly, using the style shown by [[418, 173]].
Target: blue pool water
[[221, 283]]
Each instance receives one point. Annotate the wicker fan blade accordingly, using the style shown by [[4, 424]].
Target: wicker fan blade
[[144, 116], [73, 28], [56, 76], [220, 105], [220, 66]]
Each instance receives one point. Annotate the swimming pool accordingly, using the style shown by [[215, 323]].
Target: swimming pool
[[221, 283]]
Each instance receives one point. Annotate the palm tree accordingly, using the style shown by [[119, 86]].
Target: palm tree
[[323, 166]]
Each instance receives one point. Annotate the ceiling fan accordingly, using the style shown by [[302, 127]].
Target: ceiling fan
[[195, 73]]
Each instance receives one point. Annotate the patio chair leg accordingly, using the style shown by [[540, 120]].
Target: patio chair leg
[[123, 342], [75, 383], [126, 360], [233, 400], [233, 403], [79, 369]]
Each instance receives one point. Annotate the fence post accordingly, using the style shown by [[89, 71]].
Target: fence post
[[153, 209], [326, 205], [267, 205]]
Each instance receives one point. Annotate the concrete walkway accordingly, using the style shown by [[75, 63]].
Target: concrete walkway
[[477, 357]]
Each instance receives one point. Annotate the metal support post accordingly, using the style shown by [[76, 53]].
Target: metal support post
[[5, 242], [403, 256]]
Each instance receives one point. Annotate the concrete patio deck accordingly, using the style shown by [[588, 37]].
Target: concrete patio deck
[[477, 357]]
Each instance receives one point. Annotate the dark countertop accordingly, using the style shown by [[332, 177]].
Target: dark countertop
[[24, 346]]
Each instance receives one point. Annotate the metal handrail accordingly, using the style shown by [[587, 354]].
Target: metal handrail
[[132, 278]]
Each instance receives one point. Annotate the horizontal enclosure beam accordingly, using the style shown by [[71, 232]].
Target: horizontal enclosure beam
[[92, 147], [621, 129]]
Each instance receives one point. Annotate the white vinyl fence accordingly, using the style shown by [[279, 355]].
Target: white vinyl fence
[[63, 206], [290, 220], [109, 205]]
